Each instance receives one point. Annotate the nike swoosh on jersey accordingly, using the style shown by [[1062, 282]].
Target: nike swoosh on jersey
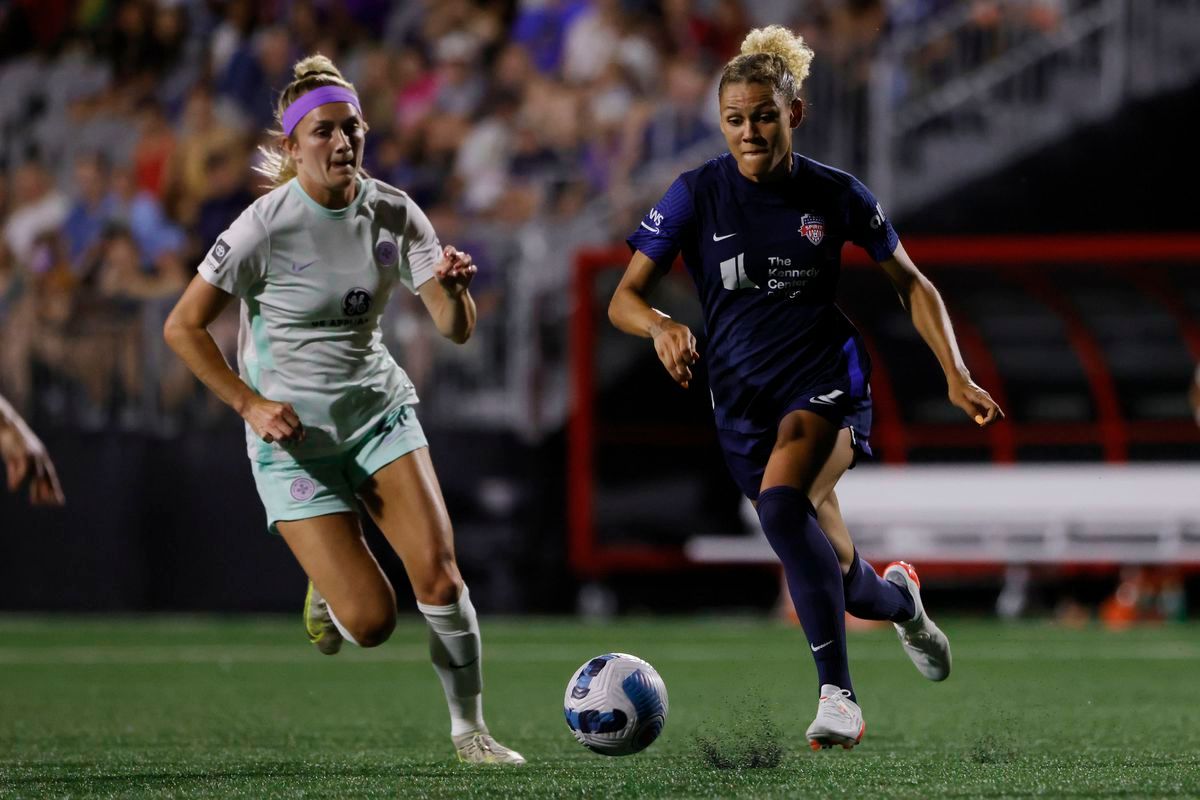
[[816, 647], [647, 227], [301, 267], [719, 238], [823, 401]]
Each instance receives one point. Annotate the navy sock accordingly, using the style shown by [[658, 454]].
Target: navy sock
[[814, 578], [869, 596]]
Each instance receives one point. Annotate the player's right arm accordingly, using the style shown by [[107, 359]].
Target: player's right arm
[[186, 332], [630, 312], [655, 243]]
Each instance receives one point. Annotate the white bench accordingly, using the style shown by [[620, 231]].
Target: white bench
[[1002, 515]]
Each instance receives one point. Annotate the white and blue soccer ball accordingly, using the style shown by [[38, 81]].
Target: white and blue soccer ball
[[616, 704]]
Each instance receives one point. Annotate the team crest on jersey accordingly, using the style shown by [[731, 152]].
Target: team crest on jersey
[[813, 228], [386, 253], [356, 302]]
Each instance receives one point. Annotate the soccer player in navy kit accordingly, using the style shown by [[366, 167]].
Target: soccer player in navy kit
[[761, 230]]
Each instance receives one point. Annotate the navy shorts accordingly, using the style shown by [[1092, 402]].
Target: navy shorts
[[748, 447]]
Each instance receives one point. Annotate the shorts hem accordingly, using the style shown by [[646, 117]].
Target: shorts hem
[[315, 511], [391, 457]]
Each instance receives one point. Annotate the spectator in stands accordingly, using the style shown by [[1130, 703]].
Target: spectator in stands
[[133, 295], [47, 321], [677, 119], [131, 48], [592, 40], [460, 86], [228, 193], [761, 231], [142, 213], [155, 144], [37, 208], [257, 71], [92, 210], [26, 458], [181, 54], [541, 25], [201, 135]]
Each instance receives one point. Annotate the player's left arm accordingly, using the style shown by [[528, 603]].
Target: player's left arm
[[929, 316], [447, 296]]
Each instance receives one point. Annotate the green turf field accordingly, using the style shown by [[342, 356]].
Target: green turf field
[[170, 707]]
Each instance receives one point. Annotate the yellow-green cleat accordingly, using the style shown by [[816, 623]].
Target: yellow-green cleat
[[319, 624], [481, 748]]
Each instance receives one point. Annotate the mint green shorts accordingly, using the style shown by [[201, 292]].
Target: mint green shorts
[[292, 490]]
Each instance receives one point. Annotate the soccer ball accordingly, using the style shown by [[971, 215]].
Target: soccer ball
[[616, 704]]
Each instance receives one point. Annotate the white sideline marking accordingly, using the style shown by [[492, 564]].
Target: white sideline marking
[[302, 655]]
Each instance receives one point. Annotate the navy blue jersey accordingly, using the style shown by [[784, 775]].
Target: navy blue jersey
[[766, 260]]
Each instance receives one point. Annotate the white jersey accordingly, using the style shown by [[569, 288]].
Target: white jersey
[[314, 282]]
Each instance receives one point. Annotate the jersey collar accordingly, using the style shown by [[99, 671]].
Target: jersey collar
[[331, 213]]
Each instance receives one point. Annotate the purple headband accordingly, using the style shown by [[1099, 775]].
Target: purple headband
[[317, 97]]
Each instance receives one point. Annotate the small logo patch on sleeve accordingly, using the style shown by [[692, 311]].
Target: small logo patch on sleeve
[[878, 219], [218, 254]]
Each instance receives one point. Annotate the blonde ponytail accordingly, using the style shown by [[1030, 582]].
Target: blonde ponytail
[[774, 56]]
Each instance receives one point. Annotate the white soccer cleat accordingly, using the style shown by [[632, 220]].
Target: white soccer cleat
[[839, 720], [924, 641], [481, 748], [319, 624]]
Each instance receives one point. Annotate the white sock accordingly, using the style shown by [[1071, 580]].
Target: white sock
[[345, 633], [454, 648]]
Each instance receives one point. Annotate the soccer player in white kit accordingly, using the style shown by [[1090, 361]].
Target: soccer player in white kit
[[329, 414]]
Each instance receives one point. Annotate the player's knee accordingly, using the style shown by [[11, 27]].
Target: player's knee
[[371, 625], [441, 584]]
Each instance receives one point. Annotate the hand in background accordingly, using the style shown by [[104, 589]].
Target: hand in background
[[25, 457]]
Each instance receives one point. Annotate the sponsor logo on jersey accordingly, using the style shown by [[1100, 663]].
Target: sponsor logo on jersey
[[356, 302], [733, 273], [386, 253], [218, 254], [878, 219], [656, 217], [301, 267], [721, 238], [303, 489], [829, 399], [813, 228]]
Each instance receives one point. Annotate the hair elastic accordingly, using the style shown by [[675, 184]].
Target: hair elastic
[[317, 97]]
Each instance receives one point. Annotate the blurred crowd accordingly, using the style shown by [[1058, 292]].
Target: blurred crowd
[[525, 129]]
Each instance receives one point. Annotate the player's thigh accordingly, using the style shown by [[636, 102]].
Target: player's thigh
[[405, 500], [803, 444], [829, 517], [332, 551], [835, 466]]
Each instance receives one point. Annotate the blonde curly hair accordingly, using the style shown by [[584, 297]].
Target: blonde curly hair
[[774, 56], [308, 73]]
